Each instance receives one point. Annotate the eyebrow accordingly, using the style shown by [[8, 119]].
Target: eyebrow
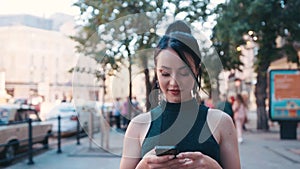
[[183, 67]]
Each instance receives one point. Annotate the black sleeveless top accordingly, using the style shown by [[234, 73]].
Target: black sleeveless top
[[184, 125]]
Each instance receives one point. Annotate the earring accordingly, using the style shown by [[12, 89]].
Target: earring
[[195, 94], [160, 96], [194, 91], [156, 85]]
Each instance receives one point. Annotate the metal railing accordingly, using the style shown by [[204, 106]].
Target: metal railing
[[30, 142]]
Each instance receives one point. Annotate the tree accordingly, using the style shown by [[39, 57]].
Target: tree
[[269, 20], [121, 26]]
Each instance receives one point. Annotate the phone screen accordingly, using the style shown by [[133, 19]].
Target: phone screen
[[165, 150]]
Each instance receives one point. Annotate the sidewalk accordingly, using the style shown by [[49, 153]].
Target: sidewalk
[[79, 156], [259, 150], [266, 149]]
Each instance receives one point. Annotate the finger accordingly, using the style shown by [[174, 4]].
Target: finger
[[150, 153], [160, 159], [187, 164], [162, 162], [174, 163], [190, 155]]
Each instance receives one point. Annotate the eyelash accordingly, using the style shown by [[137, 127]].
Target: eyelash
[[165, 74], [184, 74], [168, 74]]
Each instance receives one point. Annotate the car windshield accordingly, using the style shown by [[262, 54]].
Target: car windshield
[[62, 110], [66, 109]]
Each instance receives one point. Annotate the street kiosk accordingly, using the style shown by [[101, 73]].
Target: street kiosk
[[284, 105]]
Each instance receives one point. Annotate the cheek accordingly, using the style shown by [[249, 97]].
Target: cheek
[[187, 82], [184, 82], [162, 81]]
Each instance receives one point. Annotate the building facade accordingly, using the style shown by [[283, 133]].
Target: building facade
[[36, 55]]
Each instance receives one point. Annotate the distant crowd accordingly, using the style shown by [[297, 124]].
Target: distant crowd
[[123, 111], [236, 107]]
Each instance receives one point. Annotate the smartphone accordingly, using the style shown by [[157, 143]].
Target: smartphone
[[165, 150]]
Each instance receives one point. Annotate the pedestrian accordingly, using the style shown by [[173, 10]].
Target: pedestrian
[[136, 106], [203, 137], [240, 109], [246, 100], [116, 113], [225, 106], [125, 113]]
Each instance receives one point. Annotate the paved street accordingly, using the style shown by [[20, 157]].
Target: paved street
[[259, 150]]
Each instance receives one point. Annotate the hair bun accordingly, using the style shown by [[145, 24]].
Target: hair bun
[[178, 26]]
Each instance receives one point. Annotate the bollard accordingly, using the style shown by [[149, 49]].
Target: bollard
[[30, 154], [58, 136], [78, 131], [90, 128]]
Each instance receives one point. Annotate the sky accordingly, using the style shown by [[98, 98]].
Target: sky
[[46, 8], [42, 8]]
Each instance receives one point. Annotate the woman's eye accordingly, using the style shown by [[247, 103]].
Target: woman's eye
[[184, 73], [165, 74]]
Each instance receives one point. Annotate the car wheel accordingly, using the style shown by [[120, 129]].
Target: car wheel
[[9, 153], [46, 141]]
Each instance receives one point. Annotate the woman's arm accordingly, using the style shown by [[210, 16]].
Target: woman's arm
[[229, 152], [131, 154]]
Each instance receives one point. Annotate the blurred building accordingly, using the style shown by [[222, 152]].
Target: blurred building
[[36, 54]]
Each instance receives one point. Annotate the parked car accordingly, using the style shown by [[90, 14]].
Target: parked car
[[14, 129], [69, 117]]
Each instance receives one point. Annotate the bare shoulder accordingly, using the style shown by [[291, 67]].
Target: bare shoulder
[[139, 125], [142, 118], [133, 140], [218, 122], [216, 115]]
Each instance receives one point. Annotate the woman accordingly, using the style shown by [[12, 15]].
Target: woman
[[240, 109], [205, 138]]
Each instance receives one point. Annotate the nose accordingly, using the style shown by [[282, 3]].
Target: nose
[[173, 82]]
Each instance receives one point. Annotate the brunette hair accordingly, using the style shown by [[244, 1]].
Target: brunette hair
[[179, 38]]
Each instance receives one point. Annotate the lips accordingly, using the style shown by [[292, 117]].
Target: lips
[[174, 91]]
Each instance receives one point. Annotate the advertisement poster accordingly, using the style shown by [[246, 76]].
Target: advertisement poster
[[284, 94]]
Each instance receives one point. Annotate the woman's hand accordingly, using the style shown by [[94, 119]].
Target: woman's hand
[[151, 161], [193, 160]]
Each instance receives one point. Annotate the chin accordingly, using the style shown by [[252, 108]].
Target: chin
[[174, 100]]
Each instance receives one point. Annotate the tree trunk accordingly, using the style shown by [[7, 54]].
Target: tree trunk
[[130, 80], [104, 123], [130, 89], [261, 95]]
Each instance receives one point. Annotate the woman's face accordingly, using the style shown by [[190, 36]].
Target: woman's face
[[174, 76]]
